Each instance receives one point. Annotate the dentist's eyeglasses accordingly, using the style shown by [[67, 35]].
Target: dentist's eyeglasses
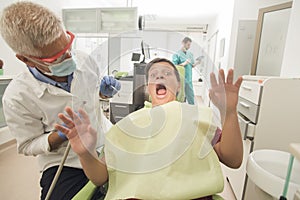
[[60, 56]]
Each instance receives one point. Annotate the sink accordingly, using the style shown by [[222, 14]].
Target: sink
[[267, 170]]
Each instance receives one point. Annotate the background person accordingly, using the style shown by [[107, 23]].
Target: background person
[[1, 64], [1, 67], [185, 58], [56, 77]]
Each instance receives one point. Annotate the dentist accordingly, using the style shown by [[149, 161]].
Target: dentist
[[56, 77]]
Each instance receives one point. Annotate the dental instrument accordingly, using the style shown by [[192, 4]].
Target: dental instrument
[[115, 89], [63, 160]]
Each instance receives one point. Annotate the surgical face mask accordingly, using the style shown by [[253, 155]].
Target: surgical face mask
[[65, 68]]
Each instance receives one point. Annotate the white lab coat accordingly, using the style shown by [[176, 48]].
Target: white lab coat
[[31, 108]]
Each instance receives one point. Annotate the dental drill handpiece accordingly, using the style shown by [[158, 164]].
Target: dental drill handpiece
[[63, 160], [115, 89]]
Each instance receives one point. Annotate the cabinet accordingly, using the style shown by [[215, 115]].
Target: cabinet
[[121, 103], [118, 19], [5, 135], [119, 111], [81, 20], [3, 84], [131, 96], [97, 20], [268, 110]]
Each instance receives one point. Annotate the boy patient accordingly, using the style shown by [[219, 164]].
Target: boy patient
[[163, 82]]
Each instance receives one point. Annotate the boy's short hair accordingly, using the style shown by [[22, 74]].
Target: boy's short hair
[[159, 60], [186, 39]]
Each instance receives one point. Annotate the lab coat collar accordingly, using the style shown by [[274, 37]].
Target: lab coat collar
[[43, 78], [39, 87]]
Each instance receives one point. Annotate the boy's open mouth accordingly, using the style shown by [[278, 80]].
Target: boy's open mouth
[[161, 90]]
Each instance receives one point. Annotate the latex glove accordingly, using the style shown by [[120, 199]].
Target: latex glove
[[61, 134], [109, 86]]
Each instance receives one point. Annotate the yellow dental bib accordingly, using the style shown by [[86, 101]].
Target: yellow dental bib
[[163, 153]]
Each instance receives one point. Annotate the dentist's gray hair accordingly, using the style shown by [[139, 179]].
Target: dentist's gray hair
[[26, 27]]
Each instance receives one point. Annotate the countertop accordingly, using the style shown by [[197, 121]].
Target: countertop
[[294, 148], [3, 77]]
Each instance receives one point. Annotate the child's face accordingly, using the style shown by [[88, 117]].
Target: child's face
[[162, 83]]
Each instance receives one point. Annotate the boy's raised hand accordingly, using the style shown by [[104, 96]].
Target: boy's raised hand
[[224, 93], [78, 130]]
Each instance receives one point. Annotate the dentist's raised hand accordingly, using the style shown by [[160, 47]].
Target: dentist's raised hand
[[78, 130], [224, 93]]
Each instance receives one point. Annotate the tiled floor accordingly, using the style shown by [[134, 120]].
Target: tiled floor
[[227, 193], [19, 177]]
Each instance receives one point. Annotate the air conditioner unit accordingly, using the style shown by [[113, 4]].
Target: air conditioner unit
[[177, 27], [202, 28]]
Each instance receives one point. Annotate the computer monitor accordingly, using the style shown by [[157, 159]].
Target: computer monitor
[[135, 57], [145, 51]]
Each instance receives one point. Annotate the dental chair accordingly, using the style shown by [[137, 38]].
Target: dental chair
[[86, 193], [89, 189], [180, 96]]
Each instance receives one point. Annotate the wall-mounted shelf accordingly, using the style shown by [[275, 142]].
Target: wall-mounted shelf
[[97, 20]]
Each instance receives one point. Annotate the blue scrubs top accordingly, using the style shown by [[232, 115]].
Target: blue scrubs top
[[179, 58]]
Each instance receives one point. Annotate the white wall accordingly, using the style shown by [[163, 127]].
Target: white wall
[[222, 24], [291, 61], [226, 23], [246, 10], [13, 66]]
